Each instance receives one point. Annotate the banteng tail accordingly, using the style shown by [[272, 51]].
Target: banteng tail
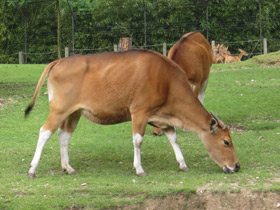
[[39, 85]]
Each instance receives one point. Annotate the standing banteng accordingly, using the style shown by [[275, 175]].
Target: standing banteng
[[137, 85], [194, 55]]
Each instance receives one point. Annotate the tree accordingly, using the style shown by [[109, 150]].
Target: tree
[[58, 29], [100, 24]]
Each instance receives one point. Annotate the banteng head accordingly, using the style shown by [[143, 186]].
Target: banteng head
[[219, 145]]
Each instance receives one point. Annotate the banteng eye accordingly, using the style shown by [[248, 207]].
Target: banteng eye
[[226, 142]]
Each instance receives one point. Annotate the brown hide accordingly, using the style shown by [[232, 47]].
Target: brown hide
[[136, 85], [194, 55], [110, 91]]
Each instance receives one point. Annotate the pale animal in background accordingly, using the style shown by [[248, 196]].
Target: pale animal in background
[[232, 58], [220, 51]]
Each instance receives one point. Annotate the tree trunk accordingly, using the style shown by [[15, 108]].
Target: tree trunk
[[58, 30]]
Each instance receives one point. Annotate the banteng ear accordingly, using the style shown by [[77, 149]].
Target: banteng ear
[[220, 122], [213, 125]]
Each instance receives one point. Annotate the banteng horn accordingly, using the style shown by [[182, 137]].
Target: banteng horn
[[220, 122]]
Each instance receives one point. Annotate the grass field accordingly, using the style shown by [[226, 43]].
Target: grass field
[[245, 95]]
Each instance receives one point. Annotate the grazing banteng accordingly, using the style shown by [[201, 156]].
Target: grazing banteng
[[231, 58], [136, 85], [194, 55]]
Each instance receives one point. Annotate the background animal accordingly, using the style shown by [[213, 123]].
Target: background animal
[[223, 55], [220, 51], [231, 58]]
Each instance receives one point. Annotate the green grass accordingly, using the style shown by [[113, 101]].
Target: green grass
[[268, 59], [244, 95]]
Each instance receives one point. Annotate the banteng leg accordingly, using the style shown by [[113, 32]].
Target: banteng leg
[[139, 124], [202, 91], [43, 138], [65, 132], [172, 137], [46, 131]]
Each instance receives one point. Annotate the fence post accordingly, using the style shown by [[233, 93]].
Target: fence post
[[125, 44], [20, 58], [213, 46], [66, 52], [164, 49], [115, 48], [264, 45]]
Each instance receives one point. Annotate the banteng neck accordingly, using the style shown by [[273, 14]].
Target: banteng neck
[[193, 116]]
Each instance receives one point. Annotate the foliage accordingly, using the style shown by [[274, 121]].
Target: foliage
[[244, 95], [98, 24]]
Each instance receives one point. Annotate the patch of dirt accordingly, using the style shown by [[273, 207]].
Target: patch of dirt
[[276, 64], [4, 101], [74, 208], [211, 201], [237, 128]]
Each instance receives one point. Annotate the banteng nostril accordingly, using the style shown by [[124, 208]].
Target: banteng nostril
[[237, 167]]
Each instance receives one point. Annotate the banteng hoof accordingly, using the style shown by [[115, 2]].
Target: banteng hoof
[[185, 169], [32, 175], [142, 174], [158, 134], [69, 170], [72, 172]]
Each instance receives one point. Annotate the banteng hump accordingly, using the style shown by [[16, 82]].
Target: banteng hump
[[136, 85]]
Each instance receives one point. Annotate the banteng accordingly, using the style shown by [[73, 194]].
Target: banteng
[[137, 85], [194, 55]]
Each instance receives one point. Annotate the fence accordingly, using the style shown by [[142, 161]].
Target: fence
[[37, 28], [161, 48]]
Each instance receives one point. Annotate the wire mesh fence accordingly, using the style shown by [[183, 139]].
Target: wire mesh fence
[[252, 47]]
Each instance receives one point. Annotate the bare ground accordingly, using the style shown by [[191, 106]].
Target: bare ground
[[211, 201]]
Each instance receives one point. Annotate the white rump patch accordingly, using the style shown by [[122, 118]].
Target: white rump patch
[[50, 91]]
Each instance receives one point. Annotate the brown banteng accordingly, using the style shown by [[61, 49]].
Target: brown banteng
[[136, 85], [231, 58], [194, 55]]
